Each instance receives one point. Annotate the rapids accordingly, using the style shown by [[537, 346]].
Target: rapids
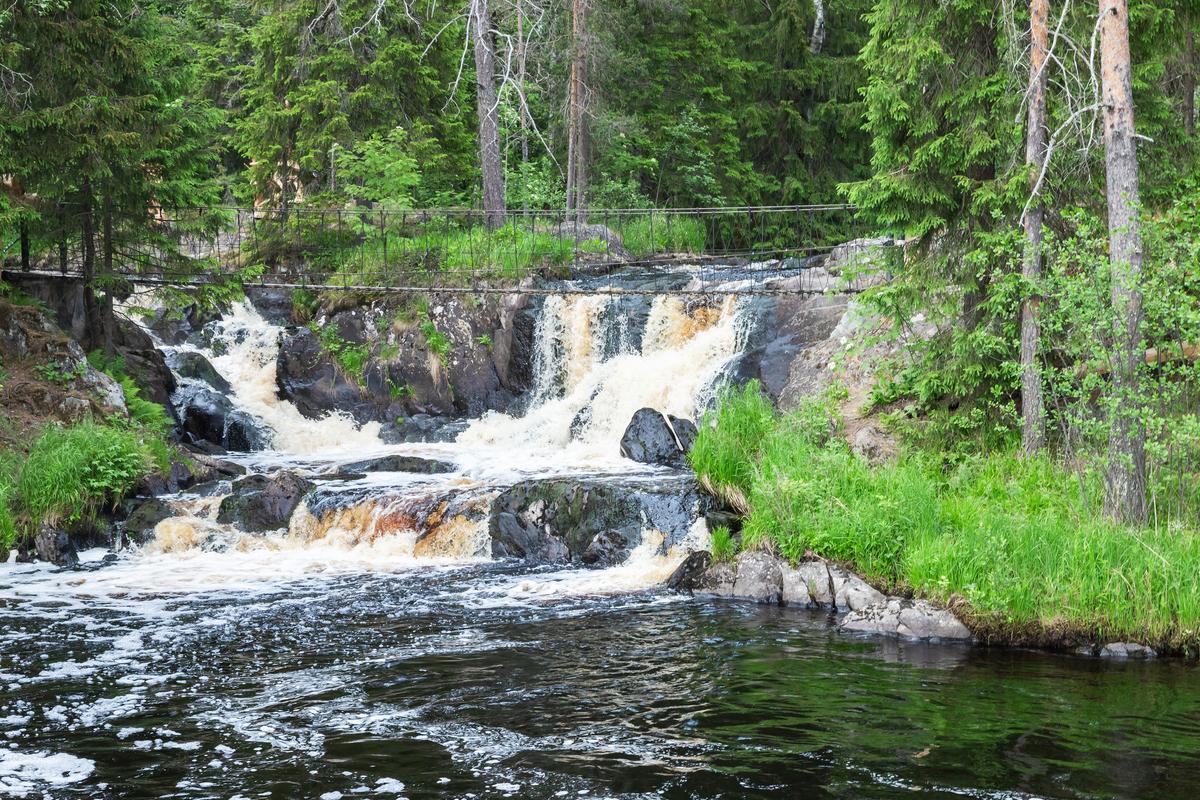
[[375, 649]]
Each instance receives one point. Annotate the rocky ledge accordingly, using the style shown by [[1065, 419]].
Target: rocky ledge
[[764, 578]]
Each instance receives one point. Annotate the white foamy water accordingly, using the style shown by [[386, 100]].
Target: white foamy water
[[249, 364], [682, 353]]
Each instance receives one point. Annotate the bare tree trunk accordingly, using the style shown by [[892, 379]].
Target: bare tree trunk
[[1125, 482], [577, 129], [522, 53], [91, 305], [24, 232], [1033, 428], [817, 40], [488, 108], [1189, 82]]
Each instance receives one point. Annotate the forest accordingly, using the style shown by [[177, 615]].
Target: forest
[[1038, 160]]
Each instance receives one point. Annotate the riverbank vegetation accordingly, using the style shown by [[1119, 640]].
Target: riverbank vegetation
[[1018, 546]]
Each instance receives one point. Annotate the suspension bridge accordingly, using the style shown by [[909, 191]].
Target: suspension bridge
[[760, 250]]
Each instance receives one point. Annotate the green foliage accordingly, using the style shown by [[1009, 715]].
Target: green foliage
[[304, 305], [145, 414], [72, 473], [723, 546], [8, 522], [63, 373], [649, 234], [380, 169], [351, 357], [438, 343], [484, 340], [1021, 539], [398, 391]]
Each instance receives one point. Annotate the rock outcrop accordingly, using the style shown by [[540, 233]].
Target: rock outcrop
[[589, 522], [399, 463], [906, 619], [260, 503], [656, 438], [53, 545]]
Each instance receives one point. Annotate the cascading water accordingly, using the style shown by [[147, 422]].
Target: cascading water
[[589, 382], [244, 349]]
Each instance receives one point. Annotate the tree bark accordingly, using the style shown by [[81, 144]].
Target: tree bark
[[488, 108], [91, 304], [24, 245], [1125, 481], [1033, 428], [817, 40], [577, 100]]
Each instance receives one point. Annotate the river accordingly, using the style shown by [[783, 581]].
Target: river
[[346, 657]]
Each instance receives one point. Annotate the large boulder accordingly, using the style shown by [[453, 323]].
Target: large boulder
[[656, 438], [260, 503], [144, 515], [688, 574], [190, 364], [422, 428], [906, 619], [206, 415], [597, 523], [766, 578]]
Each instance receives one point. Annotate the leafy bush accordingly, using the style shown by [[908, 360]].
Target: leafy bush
[[72, 473], [145, 414]]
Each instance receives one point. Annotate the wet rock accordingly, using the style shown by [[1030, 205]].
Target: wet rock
[[399, 463], [1122, 650], [558, 521], [208, 416], [275, 305], [54, 545], [138, 527], [656, 438], [717, 580], [178, 476], [907, 619], [688, 574], [422, 428], [260, 503], [608, 549], [207, 468], [759, 578], [190, 364], [307, 377]]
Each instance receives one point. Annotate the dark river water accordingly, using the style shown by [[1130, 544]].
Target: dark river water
[[479, 682]]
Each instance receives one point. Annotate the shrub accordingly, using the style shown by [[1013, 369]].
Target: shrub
[[72, 473]]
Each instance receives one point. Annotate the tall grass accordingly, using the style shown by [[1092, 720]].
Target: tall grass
[[660, 234], [1020, 539], [8, 523], [72, 473]]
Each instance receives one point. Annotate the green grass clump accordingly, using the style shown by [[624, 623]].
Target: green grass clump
[[439, 343], [72, 473], [658, 234], [351, 357], [1022, 540], [8, 522], [723, 547]]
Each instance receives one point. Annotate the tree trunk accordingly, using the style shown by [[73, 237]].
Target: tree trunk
[[577, 128], [107, 316], [24, 245], [522, 54], [1125, 482], [487, 106], [91, 305], [1189, 82], [1033, 428], [817, 40]]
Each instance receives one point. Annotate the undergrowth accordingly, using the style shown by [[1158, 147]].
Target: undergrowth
[[1021, 540]]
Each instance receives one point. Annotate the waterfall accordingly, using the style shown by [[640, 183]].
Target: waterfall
[[249, 348], [589, 380]]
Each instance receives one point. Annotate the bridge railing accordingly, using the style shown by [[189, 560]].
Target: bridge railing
[[372, 247]]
